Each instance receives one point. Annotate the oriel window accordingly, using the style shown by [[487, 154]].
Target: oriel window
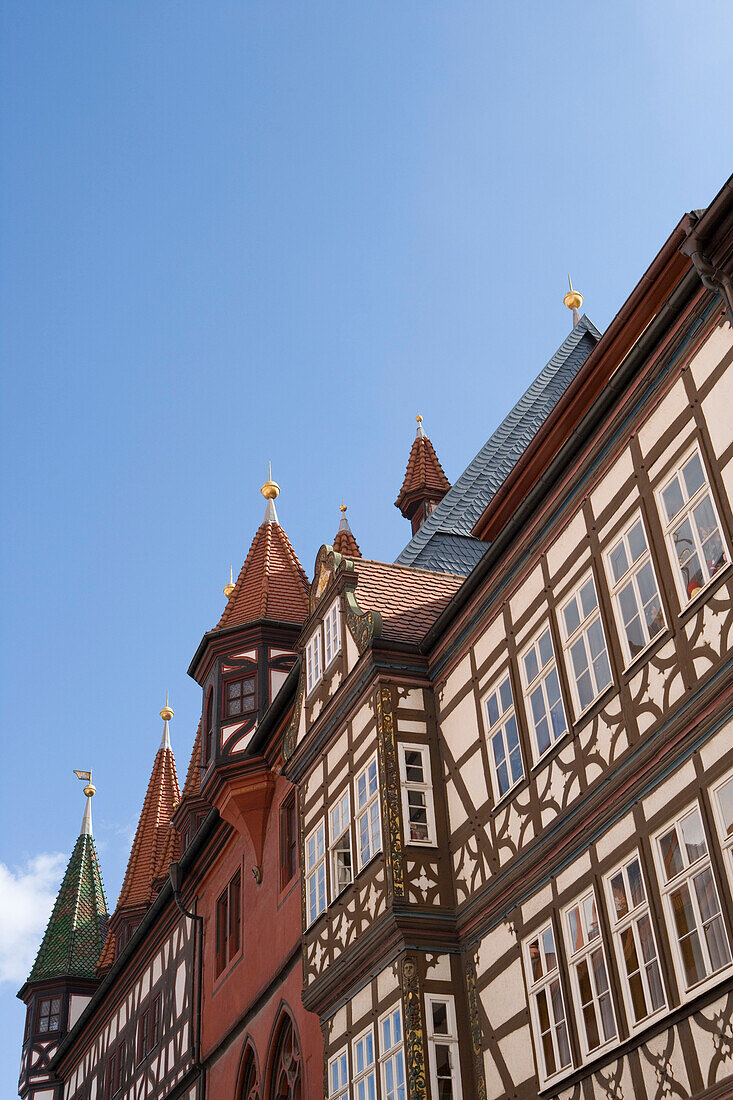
[[49, 1015], [240, 697]]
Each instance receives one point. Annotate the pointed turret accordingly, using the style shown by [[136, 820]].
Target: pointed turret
[[345, 543], [63, 976], [425, 483], [153, 848]]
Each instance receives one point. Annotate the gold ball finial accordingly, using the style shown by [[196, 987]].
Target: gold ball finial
[[342, 507], [418, 418], [270, 490], [167, 712], [573, 299], [229, 586], [90, 790]]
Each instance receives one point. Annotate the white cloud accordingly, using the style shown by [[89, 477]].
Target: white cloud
[[27, 895]]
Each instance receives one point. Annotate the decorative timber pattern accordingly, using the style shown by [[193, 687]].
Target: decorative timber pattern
[[414, 1032], [476, 1033], [390, 789]]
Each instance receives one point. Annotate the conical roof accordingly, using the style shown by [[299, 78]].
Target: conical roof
[[75, 933], [272, 583], [345, 543], [424, 477], [153, 836]]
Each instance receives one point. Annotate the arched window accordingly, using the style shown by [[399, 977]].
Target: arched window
[[250, 1078], [285, 1076]]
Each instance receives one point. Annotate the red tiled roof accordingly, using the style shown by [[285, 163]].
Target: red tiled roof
[[193, 775], [346, 544], [108, 953], [424, 475], [153, 837], [409, 600], [272, 583]]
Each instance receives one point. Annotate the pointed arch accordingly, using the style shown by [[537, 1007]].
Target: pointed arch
[[284, 1059], [249, 1081]]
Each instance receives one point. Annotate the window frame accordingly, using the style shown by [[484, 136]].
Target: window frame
[[425, 788], [685, 511], [313, 661], [344, 831], [388, 1054], [370, 1068], [236, 678], [342, 1089], [114, 1079], [682, 878], [577, 956], [543, 985], [312, 872], [570, 641], [331, 619], [630, 577], [539, 680], [40, 1015], [365, 811], [449, 1040], [288, 839], [631, 919], [499, 729], [228, 921]]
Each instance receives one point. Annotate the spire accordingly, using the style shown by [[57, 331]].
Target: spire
[[425, 483], [345, 543], [272, 583], [153, 836], [72, 943], [573, 300]]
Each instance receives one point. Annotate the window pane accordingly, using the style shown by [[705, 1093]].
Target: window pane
[[619, 561], [725, 802], [588, 599], [636, 883], [618, 892], [672, 497], [693, 475], [637, 541], [531, 668], [572, 617], [440, 1017], [694, 837], [492, 709], [505, 693], [548, 946], [671, 854], [535, 960], [545, 647], [574, 928]]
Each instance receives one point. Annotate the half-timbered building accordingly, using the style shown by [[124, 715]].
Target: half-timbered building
[[458, 826]]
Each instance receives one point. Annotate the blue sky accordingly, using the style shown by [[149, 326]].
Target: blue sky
[[235, 232]]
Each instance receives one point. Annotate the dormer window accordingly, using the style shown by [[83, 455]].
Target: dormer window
[[49, 1015], [323, 647], [313, 668], [239, 697], [331, 633]]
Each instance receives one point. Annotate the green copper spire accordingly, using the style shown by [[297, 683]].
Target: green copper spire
[[75, 933]]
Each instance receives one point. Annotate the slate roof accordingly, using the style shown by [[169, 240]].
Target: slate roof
[[435, 545], [76, 929], [271, 584], [409, 600]]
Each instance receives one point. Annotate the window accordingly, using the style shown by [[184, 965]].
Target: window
[[442, 1035], [313, 661], [692, 906], [362, 1066], [723, 805], [239, 697], [635, 591], [209, 727], [636, 947], [115, 1071], [504, 750], [228, 923], [692, 527], [418, 811], [589, 977], [391, 1056], [341, 864], [338, 1076], [315, 872], [148, 1028], [331, 633], [547, 1008], [288, 840], [49, 1015], [585, 645], [368, 828], [542, 692]]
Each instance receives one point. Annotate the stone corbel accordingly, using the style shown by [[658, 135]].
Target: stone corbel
[[245, 803]]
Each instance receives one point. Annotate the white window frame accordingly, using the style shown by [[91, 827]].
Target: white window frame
[[670, 526], [726, 839], [331, 634], [339, 822], [364, 809], [313, 662], [630, 577], [540, 679], [338, 1085], [582, 956], [629, 923], [360, 1078], [393, 1055], [570, 641], [497, 732], [313, 872], [543, 985], [425, 788], [683, 878], [450, 1040]]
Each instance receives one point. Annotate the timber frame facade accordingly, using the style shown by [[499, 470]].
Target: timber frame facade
[[513, 784]]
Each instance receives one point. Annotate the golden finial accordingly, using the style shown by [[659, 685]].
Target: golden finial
[[167, 712], [342, 507], [270, 490], [418, 418], [573, 299], [90, 789], [229, 586]]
